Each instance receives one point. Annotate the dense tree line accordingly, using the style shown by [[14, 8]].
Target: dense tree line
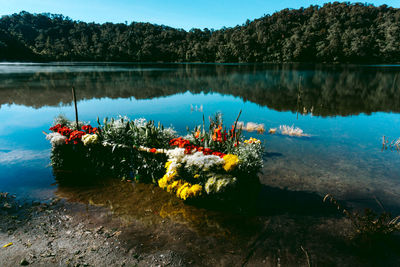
[[335, 32]]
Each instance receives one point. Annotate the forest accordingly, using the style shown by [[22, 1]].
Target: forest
[[334, 33]]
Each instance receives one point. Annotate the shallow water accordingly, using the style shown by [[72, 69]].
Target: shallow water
[[345, 109]]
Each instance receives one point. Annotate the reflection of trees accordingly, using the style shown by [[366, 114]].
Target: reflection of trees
[[324, 90]]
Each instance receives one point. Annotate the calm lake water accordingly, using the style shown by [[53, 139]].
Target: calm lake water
[[345, 109]]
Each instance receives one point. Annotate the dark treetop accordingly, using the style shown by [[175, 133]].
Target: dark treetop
[[337, 32]]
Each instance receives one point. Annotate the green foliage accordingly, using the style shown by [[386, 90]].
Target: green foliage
[[251, 158], [139, 132], [118, 158], [336, 32]]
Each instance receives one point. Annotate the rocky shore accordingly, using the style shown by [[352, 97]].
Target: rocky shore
[[55, 233]]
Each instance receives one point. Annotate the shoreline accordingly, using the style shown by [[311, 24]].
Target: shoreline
[[80, 228]]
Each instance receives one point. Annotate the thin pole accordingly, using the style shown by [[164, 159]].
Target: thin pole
[[76, 108]]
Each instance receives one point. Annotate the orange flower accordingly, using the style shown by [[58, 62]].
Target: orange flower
[[217, 136], [153, 150], [197, 135]]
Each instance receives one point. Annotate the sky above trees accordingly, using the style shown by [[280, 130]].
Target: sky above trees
[[178, 13]]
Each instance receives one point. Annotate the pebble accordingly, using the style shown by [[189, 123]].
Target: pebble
[[24, 262]]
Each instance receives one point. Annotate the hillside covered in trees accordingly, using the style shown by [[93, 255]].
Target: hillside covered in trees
[[336, 32]]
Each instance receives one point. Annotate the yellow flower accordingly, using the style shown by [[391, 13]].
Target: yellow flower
[[180, 189], [195, 190], [162, 183], [185, 193], [174, 186], [189, 191], [252, 141], [167, 164], [230, 162], [166, 179], [88, 139]]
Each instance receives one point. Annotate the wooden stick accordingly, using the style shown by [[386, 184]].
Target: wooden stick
[[307, 257], [234, 128], [76, 108]]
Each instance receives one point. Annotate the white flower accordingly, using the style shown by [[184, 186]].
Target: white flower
[[140, 123], [189, 137], [56, 139], [174, 166], [88, 139], [202, 161], [169, 133], [176, 154]]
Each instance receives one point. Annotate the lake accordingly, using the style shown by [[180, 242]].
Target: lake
[[346, 109]]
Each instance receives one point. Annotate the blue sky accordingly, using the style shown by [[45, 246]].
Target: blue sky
[[184, 14]]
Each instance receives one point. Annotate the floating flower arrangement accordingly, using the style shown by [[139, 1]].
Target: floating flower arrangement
[[204, 163], [291, 131]]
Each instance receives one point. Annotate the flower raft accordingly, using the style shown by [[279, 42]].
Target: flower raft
[[212, 162]]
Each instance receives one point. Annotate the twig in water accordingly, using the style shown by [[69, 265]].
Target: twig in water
[[379, 203], [307, 257]]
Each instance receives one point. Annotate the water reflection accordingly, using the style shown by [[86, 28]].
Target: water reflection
[[149, 204], [320, 90]]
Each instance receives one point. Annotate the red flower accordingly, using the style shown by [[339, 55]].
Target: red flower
[[219, 154], [89, 129], [55, 128], [65, 131], [190, 148], [207, 151], [153, 150], [180, 142], [75, 137], [183, 143]]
